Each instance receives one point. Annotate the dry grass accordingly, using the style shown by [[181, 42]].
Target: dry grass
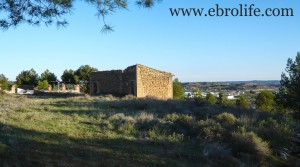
[[88, 131]]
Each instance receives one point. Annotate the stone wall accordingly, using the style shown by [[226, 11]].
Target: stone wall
[[129, 81], [137, 80], [154, 83], [106, 82]]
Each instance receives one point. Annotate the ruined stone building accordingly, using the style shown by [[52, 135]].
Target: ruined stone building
[[137, 80]]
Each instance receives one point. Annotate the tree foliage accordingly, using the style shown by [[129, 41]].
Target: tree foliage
[[27, 77], [264, 101], [221, 99], [178, 91], [210, 99], [3, 82], [242, 103], [68, 76], [82, 75], [35, 12], [42, 85], [48, 76], [83, 72], [289, 91], [197, 94]]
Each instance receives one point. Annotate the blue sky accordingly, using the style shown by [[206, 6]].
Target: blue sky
[[192, 48]]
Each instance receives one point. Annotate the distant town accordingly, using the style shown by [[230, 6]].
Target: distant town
[[230, 89]]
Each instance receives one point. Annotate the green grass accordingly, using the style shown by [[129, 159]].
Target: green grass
[[107, 131]]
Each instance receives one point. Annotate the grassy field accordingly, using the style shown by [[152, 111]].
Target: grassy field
[[108, 131]]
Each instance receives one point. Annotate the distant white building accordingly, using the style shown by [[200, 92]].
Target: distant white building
[[189, 95], [231, 97]]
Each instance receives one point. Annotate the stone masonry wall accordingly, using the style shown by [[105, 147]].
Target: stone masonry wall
[[154, 83], [106, 82], [129, 81]]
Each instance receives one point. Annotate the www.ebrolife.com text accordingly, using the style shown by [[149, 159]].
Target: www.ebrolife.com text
[[240, 11]]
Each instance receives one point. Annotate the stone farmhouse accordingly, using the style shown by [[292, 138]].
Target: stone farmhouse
[[137, 80]]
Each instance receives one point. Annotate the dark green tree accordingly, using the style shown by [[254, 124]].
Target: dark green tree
[[68, 76], [289, 91], [76, 79], [27, 77], [83, 73], [48, 76], [264, 101], [178, 91], [221, 99], [35, 12], [210, 99], [3, 82], [242, 103]]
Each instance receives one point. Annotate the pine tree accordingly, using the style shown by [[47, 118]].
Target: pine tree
[[289, 91]]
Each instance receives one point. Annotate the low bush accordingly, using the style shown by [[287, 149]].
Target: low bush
[[209, 130], [171, 117], [249, 144], [279, 134], [226, 118], [123, 124], [144, 117]]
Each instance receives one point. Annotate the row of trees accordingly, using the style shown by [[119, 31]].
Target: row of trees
[[30, 77], [80, 76]]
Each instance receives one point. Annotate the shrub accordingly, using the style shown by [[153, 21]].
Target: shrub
[[226, 118], [249, 120], [144, 117], [175, 138], [217, 154], [171, 117], [156, 135], [264, 101], [121, 123], [146, 121], [127, 128], [250, 144], [42, 85], [184, 124], [278, 133], [242, 103], [209, 130]]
